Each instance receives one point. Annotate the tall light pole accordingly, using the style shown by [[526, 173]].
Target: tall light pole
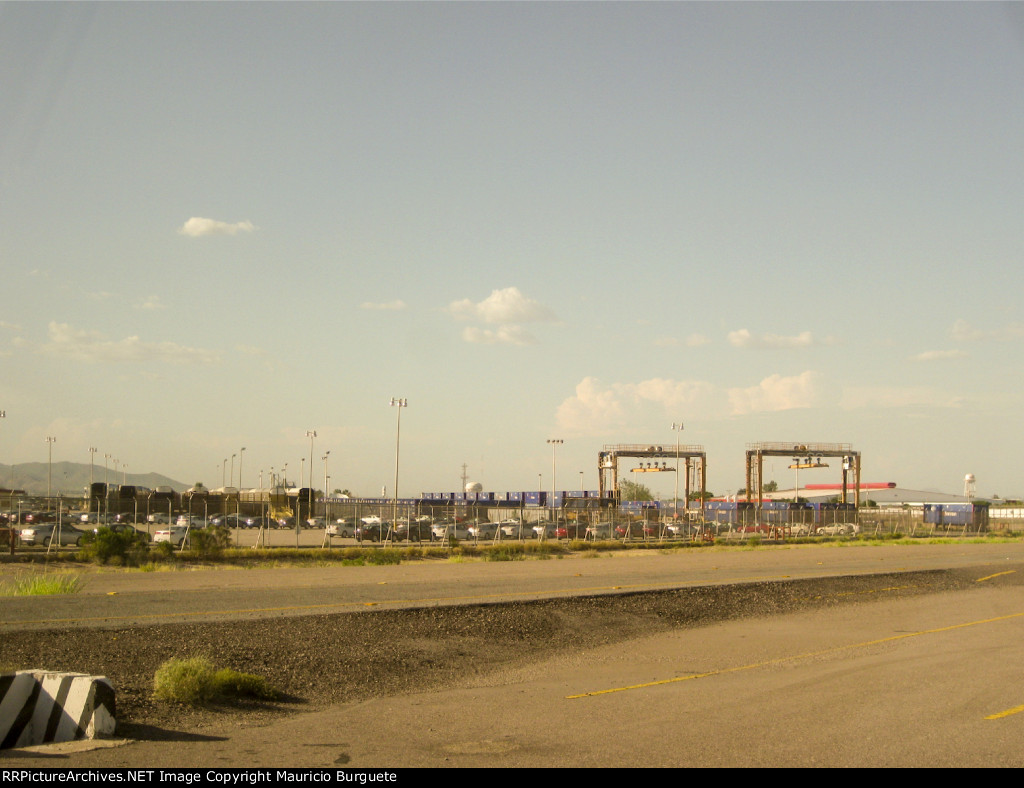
[[224, 473], [311, 434], [397, 403], [232, 470], [106, 492], [92, 464], [240, 453], [677, 428], [326, 480], [3, 415], [555, 443], [50, 440]]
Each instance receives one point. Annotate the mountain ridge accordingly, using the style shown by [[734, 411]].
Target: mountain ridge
[[72, 479]]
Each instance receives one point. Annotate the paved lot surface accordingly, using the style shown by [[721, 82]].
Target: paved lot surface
[[810, 656], [116, 598]]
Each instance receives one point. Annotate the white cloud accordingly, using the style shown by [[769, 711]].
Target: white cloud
[[503, 335], [386, 306], [502, 306], [507, 309], [9, 326], [775, 393], [197, 226], [90, 346], [595, 408], [697, 340], [591, 408], [151, 303], [939, 355], [962, 331], [744, 339]]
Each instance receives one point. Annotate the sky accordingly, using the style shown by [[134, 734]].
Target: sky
[[225, 225]]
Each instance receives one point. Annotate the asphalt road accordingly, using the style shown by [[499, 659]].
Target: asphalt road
[[869, 677], [117, 598]]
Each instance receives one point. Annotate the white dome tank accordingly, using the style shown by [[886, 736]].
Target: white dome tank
[[474, 487]]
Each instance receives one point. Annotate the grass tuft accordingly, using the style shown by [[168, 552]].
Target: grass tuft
[[43, 585], [195, 681]]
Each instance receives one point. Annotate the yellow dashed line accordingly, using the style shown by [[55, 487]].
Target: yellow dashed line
[[997, 574], [1007, 713], [801, 656]]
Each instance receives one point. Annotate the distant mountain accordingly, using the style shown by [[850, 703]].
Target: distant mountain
[[72, 478]]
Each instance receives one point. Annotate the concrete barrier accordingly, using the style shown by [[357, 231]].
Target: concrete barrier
[[38, 707]]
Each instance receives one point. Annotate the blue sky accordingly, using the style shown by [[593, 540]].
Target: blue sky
[[224, 225]]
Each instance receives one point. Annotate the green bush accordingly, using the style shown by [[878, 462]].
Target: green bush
[[210, 542], [383, 557], [506, 552], [123, 548], [195, 681]]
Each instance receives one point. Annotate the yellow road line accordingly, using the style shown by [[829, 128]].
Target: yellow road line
[[997, 574], [1007, 713], [795, 657]]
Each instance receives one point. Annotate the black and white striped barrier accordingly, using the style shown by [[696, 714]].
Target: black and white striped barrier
[[38, 707]]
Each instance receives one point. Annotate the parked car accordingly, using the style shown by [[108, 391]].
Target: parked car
[[678, 530], [417, 532], [121, 528], [571, 531], [599, 531], [515, 529], [449, 530], [44, 533], [631, 530], [375, 532], [344, 527], [174, 534], [544, 531], [839, 529], [253, 521], [230, 521], [485, 530], [37, 518]]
